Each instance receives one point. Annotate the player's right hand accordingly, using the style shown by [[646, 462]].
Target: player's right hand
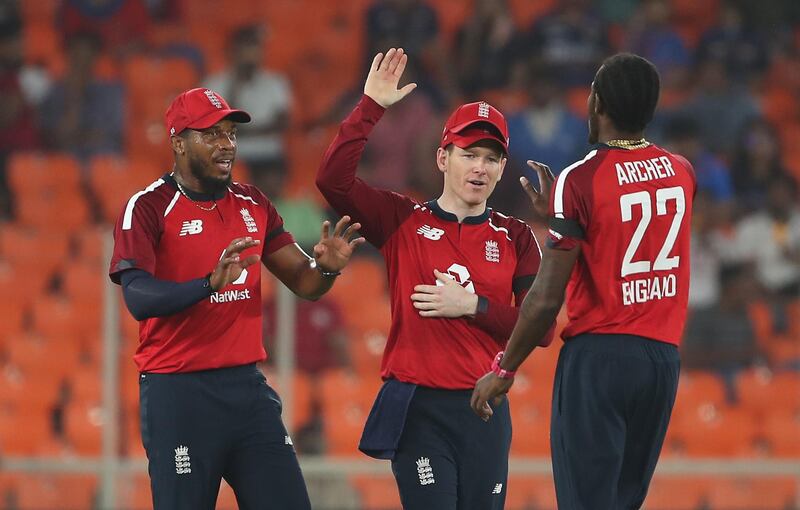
[[384, 75], [231, 264], [541, 198]]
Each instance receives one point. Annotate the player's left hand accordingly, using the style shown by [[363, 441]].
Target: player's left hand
[[540, 199], [333, 252], [449, 299], [489, 387]]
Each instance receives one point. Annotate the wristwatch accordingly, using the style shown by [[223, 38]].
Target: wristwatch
[[498, 370]]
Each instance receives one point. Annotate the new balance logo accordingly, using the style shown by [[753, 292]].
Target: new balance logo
[[183, 465], [191, 227], [428, 232], [424, 471], [498, 488]]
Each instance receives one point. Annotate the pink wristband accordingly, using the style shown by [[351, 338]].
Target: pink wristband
[[501, 372]]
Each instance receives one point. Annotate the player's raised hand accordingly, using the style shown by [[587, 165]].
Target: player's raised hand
[[541, 198], [333, 252], [231, 264], [489, 387], [384, 75], [446, 299]]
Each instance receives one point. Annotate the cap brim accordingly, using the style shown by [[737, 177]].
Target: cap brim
[[212, 118], [469, 138]]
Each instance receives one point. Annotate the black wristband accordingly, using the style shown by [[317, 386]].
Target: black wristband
[[483, 305], [207, 282], [322, 272]]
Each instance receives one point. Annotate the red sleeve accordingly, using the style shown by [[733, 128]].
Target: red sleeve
[[569, 209], [380, 212], [136, 236], [498, 319], [689, 168]]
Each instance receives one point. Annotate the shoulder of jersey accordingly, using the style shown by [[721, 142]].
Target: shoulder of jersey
[[515, 226], [247, 192]]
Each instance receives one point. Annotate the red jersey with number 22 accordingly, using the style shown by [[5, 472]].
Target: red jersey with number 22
[[630, 212]]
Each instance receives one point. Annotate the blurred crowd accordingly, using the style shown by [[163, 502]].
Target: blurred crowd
[[730, 74]]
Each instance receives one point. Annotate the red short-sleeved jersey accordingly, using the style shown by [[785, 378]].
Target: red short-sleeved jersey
[[630, 211], [166, 234]]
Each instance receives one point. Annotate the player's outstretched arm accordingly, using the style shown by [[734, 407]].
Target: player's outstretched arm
[[384, 76], [311, 278]]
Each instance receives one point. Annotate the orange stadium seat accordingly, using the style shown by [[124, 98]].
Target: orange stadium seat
[[36, 172], [377, 492], [49, 247], [114, 180], [525, 11], [83, 424], [698, 389], [38, 211], [13, 313], [781, 430], [26, 429], [41, 45], [764, 392], [526, 492], [716, 432], [89, 244], [748, 493], [84, 284], [531, 437], [676, 493], [40, 12], [27, 278], [362, 281], [301, 394], [133, 492], [58, 318], [65, 492], [346, 402]]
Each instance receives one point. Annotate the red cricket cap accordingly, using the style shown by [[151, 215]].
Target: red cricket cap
[[472, 122], [200, 109]]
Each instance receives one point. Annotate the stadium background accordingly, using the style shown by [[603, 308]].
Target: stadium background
[[69, 435]]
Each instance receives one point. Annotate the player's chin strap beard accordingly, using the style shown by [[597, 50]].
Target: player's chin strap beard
[[183, 192]]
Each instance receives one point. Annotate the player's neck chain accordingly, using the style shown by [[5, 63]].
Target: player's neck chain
[[628, 144], [183, 192]]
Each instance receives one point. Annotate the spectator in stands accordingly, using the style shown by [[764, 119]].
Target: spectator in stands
[[83, 114], [770, 239], [722, 337], [122, 25], [681, 135], [734, 43], [719, 106], [573, 38], [756, 163], [546, 130], [320, 344], [265, 94], [414, 26], [651, 35], [18, 131], [485, 48]]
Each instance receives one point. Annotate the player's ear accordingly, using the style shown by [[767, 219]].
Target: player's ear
[[503, 161], [599, 107], [178, 144], [442, 155]]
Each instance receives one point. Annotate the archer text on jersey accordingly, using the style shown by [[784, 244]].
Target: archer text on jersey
[[648, 289], [647, 170]]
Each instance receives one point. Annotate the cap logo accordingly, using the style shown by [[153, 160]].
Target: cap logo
[[172, 130], [215, 100], [483, 110]]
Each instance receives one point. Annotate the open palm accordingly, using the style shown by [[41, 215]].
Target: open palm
[[384, 75]]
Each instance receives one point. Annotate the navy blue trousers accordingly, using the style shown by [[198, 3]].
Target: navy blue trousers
[[200, 427], [612, 400], [448, 458]]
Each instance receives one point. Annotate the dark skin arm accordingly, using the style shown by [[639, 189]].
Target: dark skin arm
[[293, 267], [538, 311]]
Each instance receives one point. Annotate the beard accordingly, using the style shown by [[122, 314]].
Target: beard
[[208, 183]]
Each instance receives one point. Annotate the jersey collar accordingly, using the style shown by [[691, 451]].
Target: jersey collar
[[433, 205], [200, 197]]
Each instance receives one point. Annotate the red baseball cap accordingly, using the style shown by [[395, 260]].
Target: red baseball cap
[[472, 122], [200, 109]]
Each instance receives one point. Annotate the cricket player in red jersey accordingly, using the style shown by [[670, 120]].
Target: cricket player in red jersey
[[457, 271], [186, 252], [619, 245]]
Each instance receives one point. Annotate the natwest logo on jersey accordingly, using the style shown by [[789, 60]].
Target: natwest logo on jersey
[[230, 295], [191, 227]]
